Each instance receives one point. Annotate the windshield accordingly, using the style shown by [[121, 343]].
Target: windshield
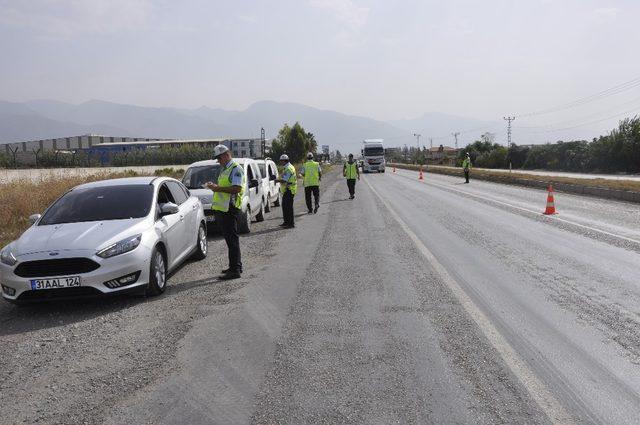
[[263, 171], [100, 203], [195, 177], [374, 151]]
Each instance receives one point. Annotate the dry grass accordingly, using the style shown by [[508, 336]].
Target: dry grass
[[20, 199], [629, 185]]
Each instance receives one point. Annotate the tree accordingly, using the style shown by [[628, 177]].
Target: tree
[[295, 142]]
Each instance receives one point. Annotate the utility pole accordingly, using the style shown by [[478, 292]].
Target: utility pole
[[417, 136], [431, 142], [456, 134], [509, 120], [263, 143]]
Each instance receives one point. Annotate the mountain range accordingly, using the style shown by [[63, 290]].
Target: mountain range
[[43, 119]]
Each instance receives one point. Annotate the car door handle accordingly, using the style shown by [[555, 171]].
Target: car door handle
[[194, 207], [181, 217]]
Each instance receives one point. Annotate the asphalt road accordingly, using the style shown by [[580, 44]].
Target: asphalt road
[[417, 302]]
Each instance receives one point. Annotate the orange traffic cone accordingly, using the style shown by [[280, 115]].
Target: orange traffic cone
[[421, 177], [551, 207]]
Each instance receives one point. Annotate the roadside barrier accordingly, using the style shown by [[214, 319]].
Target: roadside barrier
[[551, 206]]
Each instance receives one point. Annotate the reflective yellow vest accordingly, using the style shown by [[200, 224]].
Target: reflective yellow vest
[[311, 174], [221, 200], [292, 183], [351, 170]]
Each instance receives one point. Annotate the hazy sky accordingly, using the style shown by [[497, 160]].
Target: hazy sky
[[381, 58]]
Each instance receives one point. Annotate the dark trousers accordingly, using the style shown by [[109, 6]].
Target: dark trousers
[[466, 176], [228, 225], [351, 184], [308, 190], [287, 208]]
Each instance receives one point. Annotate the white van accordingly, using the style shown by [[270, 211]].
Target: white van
[[253, 202], [271, 187]]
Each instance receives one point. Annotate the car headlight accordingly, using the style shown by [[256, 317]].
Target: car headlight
[[125, 245], [7, 257]]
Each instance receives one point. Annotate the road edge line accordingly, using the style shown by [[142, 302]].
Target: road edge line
[[538, 391], [550, 217]]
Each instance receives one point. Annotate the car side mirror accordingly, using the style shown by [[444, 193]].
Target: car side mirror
[[253, 183], [33, 218], [272, 178], [168, 209]]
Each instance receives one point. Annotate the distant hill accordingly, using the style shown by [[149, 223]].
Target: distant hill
[[20, 123], [46, 118]]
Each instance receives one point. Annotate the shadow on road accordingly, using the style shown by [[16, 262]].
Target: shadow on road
[[335, 200], [52, 313], [262, 232], [48, 314]]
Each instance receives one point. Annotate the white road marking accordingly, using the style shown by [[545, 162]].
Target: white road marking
[[538, 391], [552, 217]]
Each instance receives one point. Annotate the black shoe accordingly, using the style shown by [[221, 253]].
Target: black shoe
[[310, 212], [230, 270], [289, 226], [225, 271], [284, 225], [315, 210], [234, 274]]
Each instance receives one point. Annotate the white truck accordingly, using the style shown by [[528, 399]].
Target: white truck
[[373, 156]]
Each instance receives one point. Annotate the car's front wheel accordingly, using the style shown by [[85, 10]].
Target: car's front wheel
[[157, 273], [201, 245]]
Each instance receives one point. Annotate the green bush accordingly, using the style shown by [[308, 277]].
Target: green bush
[[619, 151]]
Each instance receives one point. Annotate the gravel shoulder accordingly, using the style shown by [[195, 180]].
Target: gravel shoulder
[[337, 321], [73, 362]]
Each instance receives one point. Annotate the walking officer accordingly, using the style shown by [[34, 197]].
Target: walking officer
[[350, 172], [227, 202], [466, 166], [288, 189], [312, 174]]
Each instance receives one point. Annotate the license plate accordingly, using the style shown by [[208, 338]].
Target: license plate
[[53, 283]]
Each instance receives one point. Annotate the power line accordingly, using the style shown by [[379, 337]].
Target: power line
[[631, 111], [631, 84], [587, 117]]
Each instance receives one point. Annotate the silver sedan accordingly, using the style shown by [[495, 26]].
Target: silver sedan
[[105, 237]]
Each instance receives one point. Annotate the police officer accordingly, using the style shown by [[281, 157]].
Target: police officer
[[227, 202], [288, 189], [350, 172], [466, 166], [312, 174]]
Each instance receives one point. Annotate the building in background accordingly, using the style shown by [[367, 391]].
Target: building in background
[[103, 147]]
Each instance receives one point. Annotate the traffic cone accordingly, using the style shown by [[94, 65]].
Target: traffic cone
[[421, 177], [551, 207]]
